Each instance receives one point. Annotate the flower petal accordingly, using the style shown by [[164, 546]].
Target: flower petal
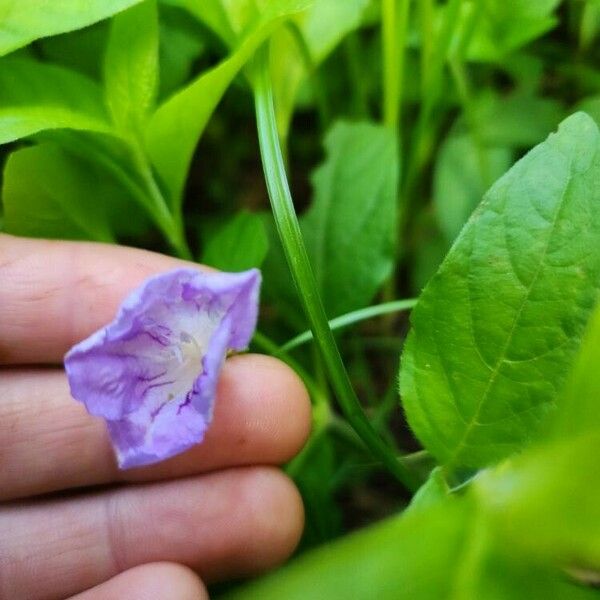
[[152, 372]]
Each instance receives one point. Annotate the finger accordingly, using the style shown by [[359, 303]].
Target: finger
[[55, 293], [149, 582], [227, 524], [262, 415]]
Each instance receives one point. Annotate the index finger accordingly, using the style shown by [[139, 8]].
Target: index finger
[[56, 293]]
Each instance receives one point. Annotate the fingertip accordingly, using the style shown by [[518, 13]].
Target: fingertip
[[279, 526], [274, 513], [282, 397], [149, 582]]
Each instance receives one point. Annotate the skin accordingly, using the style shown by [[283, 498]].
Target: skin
[[72, 524]]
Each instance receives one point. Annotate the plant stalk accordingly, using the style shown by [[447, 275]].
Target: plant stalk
[[293, 244]]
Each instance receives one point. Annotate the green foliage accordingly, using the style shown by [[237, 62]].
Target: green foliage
[[409, 557], [48, 192], [506, 25], [23, 21], [35, 97], [526, 529], [238, 244], [317, 486], [81, 50], [591, 105], [519, 120], [547, 493], [131, 67], [590, 24], [351, 226], [496, 329], [212, 13], [182, 43], [175, 127], [298, 51], [578, 410], [442, 552], [463, 173]]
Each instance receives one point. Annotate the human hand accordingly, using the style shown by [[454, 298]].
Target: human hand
[[105, 533]]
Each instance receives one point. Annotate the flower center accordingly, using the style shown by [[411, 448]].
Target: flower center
[[186, 365]]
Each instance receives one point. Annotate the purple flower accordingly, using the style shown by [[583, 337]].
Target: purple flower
[[152, 372]]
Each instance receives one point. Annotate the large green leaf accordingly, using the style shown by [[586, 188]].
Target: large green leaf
[[22, 21], [509, 537], [497, 328], [50, 193], [443, 550], [551, 493], [350, 227], [131, 66], [175, 127], [400, 558], [35, 97]]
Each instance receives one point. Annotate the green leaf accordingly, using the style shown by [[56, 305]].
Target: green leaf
[[321, 28], [182, 41], [81, 51], [433, 492], [590, 23], [23, 21], [591, 105], [50, 193], [35, 97], [131, 66], [350, 227], [497, 328], [550, 493], [430, 249], [507, 25], [579, 404], [519, 120], [327, 22], [175, 127], [462, 174], [444, 551], [240, 243], [213, 14], [413, 557], [278, 286]]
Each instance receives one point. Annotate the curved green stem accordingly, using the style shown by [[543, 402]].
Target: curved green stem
[[350, 318], [293, 244], [172, 226]]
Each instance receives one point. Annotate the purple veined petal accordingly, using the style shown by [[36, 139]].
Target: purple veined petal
[[152, 373]]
